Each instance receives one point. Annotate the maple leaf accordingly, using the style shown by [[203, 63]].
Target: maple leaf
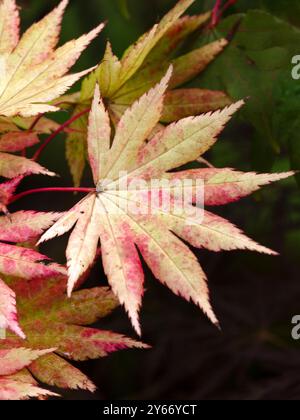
[[17, 135], [7, 190], [107, 214], [15, 382], [8, 310], [141, 67], [33, 71], [49, 316], [12, 166], [32, 75], [18, 261]]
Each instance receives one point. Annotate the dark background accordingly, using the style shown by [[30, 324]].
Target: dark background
[[255, 297]]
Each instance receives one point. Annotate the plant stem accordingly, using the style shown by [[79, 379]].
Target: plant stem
[[218, 12], [46, 190], [35, 122], [58, 131]]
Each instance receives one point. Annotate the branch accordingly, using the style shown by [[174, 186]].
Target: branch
[[218, 12], [57, 132], [35, 122]]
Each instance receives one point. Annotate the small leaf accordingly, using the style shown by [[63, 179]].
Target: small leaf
[[55, 371], [25, 225], [13, 166], [17, 141], [25, 263], [14, 360], [16, 383], [108, 73], [21, 386]]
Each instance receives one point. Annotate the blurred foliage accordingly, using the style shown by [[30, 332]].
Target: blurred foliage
[[255, 66], [255, 297]]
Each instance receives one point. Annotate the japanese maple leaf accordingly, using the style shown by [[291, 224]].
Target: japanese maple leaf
[[33, 71], [106, 214], [17, 134], [18, 261], [49, 316], [141, 67], [7, 190], [12, 166], [15, 382]]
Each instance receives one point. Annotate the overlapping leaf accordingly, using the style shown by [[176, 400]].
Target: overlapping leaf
[[33, 71], [142, 66], [7, 190], [48, 316], [110, 215], [12, 166], [15, 382], [19, 261]]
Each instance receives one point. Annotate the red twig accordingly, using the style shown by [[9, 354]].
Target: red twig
[[73, 130], [35, 122], [39, 117], [218, 12], [58, 131], [46, 190]]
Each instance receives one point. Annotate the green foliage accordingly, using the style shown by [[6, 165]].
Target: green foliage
[[257, 65]]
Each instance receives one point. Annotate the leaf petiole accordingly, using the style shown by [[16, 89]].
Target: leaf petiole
[[57, 132], [218, 11]]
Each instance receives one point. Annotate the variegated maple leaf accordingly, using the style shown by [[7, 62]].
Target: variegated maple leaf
[[12, 166], [15, 382], [49, 316], [141, 67], [109, 214], [18, 261], [7, 190], [33, 71], [17, 135]]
